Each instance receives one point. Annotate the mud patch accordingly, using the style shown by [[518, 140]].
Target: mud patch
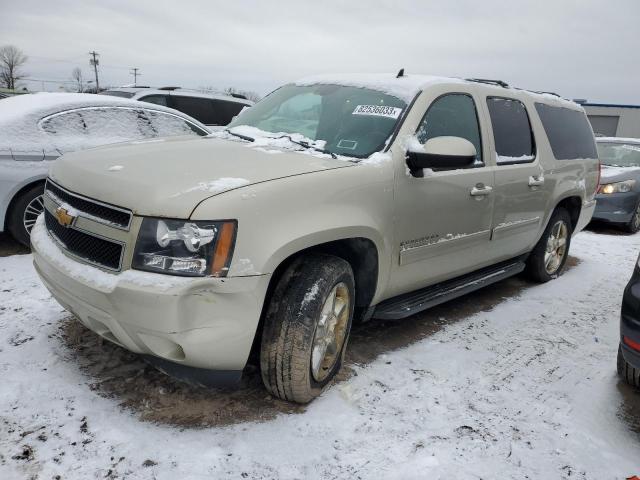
[[116, 373]]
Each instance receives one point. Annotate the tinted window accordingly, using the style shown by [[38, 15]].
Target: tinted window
[[511, 130], [198, 108], [117, 93], [569, 132], [452, 115], [225, 110], [156, 99]]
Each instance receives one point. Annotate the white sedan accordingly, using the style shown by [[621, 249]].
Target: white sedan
[[38, 128]]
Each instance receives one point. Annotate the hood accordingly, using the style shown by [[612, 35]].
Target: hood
[[169, 177], [618, 174]]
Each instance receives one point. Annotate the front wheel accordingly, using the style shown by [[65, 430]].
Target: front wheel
[[26, 209], [634, 224], [306, 327], [550, 253]]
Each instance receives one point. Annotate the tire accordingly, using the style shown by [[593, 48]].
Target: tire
[[541, 268], [296, 330], [24, 212], [634, 224], [626, 371]]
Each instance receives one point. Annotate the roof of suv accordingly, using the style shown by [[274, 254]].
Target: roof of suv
[[407, 87], [137, 92]]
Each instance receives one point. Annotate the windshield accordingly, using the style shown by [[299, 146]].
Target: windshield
[[619, 154], [347, 121]]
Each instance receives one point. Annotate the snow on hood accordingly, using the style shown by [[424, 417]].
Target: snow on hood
[[20, 114], [405, 88], [609, 173], [170, 177]]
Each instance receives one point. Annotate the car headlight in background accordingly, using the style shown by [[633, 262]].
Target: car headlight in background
[[618, 187], [184, 247]]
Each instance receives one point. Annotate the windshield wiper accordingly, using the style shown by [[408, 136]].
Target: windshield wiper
[[243, 137], [307, 145]]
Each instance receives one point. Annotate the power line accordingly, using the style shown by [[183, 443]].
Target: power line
[[94, 61], [134, 72]]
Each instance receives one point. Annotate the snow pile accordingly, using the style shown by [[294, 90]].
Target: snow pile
[[526, 389], [521, 159]]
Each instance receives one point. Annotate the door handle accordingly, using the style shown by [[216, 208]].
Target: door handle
[[480, 190], [536, 180]]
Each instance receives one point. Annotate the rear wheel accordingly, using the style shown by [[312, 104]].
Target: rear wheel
[[26, 209], [550, 253], [306, 327], [634, 224], [626, 371]]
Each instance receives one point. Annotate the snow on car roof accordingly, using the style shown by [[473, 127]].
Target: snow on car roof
[[408, 86]]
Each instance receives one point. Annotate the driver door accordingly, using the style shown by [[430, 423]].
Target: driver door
[[444, 218]]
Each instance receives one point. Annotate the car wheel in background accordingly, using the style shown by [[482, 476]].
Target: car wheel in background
[[629, 374], [550, 253], [24, 212], [306, 327], [634, 224]]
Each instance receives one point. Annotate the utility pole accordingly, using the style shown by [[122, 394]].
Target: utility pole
[[94, 62], [134, 72]]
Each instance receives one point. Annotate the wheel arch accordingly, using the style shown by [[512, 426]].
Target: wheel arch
[[15, 195]]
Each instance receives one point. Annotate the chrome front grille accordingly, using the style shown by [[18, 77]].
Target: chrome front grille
[[91, 231], [101, 212]]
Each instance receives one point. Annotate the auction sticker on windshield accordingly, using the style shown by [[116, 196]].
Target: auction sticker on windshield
[[378, 111]]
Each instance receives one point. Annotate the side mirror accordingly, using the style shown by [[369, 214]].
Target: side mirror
[[440, 153]]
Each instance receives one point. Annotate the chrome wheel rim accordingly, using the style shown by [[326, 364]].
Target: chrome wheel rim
[[34, 208], [331, 332], [556, 247]]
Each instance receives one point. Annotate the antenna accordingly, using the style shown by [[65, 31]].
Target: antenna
[[400, 73]]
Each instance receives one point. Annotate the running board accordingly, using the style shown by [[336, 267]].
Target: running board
[[411, 303]]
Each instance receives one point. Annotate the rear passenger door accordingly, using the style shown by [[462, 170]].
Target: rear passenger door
[[520, 191]]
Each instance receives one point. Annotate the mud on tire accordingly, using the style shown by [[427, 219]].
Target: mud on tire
[[294, 314]]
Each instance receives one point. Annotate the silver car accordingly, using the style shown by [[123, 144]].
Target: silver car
[[37, 128]]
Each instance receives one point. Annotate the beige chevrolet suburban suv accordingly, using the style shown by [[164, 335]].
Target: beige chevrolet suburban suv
[[333, 200]]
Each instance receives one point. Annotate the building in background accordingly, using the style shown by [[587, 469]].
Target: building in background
[[609, 120]]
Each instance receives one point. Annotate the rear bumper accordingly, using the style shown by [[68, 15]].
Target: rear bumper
[[206, 323], [616, 207]]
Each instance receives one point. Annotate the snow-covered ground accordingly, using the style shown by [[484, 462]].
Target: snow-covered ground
[[526, 389]]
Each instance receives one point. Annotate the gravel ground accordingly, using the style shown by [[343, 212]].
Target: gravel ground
[[515, 381]]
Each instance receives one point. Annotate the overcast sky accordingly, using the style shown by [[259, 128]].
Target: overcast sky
[[578, 48]]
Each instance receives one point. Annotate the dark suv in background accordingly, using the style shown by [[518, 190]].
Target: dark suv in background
[[208, 108]]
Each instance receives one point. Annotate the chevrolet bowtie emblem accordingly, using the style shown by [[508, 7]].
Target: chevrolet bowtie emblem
[[63, 217]]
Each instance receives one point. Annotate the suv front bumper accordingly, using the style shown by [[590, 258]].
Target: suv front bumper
[[206, 322]]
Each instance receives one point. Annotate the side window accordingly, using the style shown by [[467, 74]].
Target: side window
[[70, 123], [166, 125], [511, 130], [225, 110], [198, 108], [568, 131], [156, 99], [452, 115]]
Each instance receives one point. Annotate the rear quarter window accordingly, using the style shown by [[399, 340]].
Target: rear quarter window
[[569, 132]]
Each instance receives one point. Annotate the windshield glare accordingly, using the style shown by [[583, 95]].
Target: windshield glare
[[352, 121], [619, 154]]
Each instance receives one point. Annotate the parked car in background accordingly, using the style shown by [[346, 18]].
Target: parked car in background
[[333, 198], [629, 350], [3, 95], [211, 109], [618, 199], [37, 128]]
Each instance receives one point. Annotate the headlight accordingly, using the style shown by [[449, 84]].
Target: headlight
[[187, 248], [618, 187]]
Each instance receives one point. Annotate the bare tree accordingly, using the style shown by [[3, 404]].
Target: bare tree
[[11, 59], [76, 76]]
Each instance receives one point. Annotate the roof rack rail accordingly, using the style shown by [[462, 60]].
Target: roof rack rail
[[168, 88], [548, 93], [499, 83]]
